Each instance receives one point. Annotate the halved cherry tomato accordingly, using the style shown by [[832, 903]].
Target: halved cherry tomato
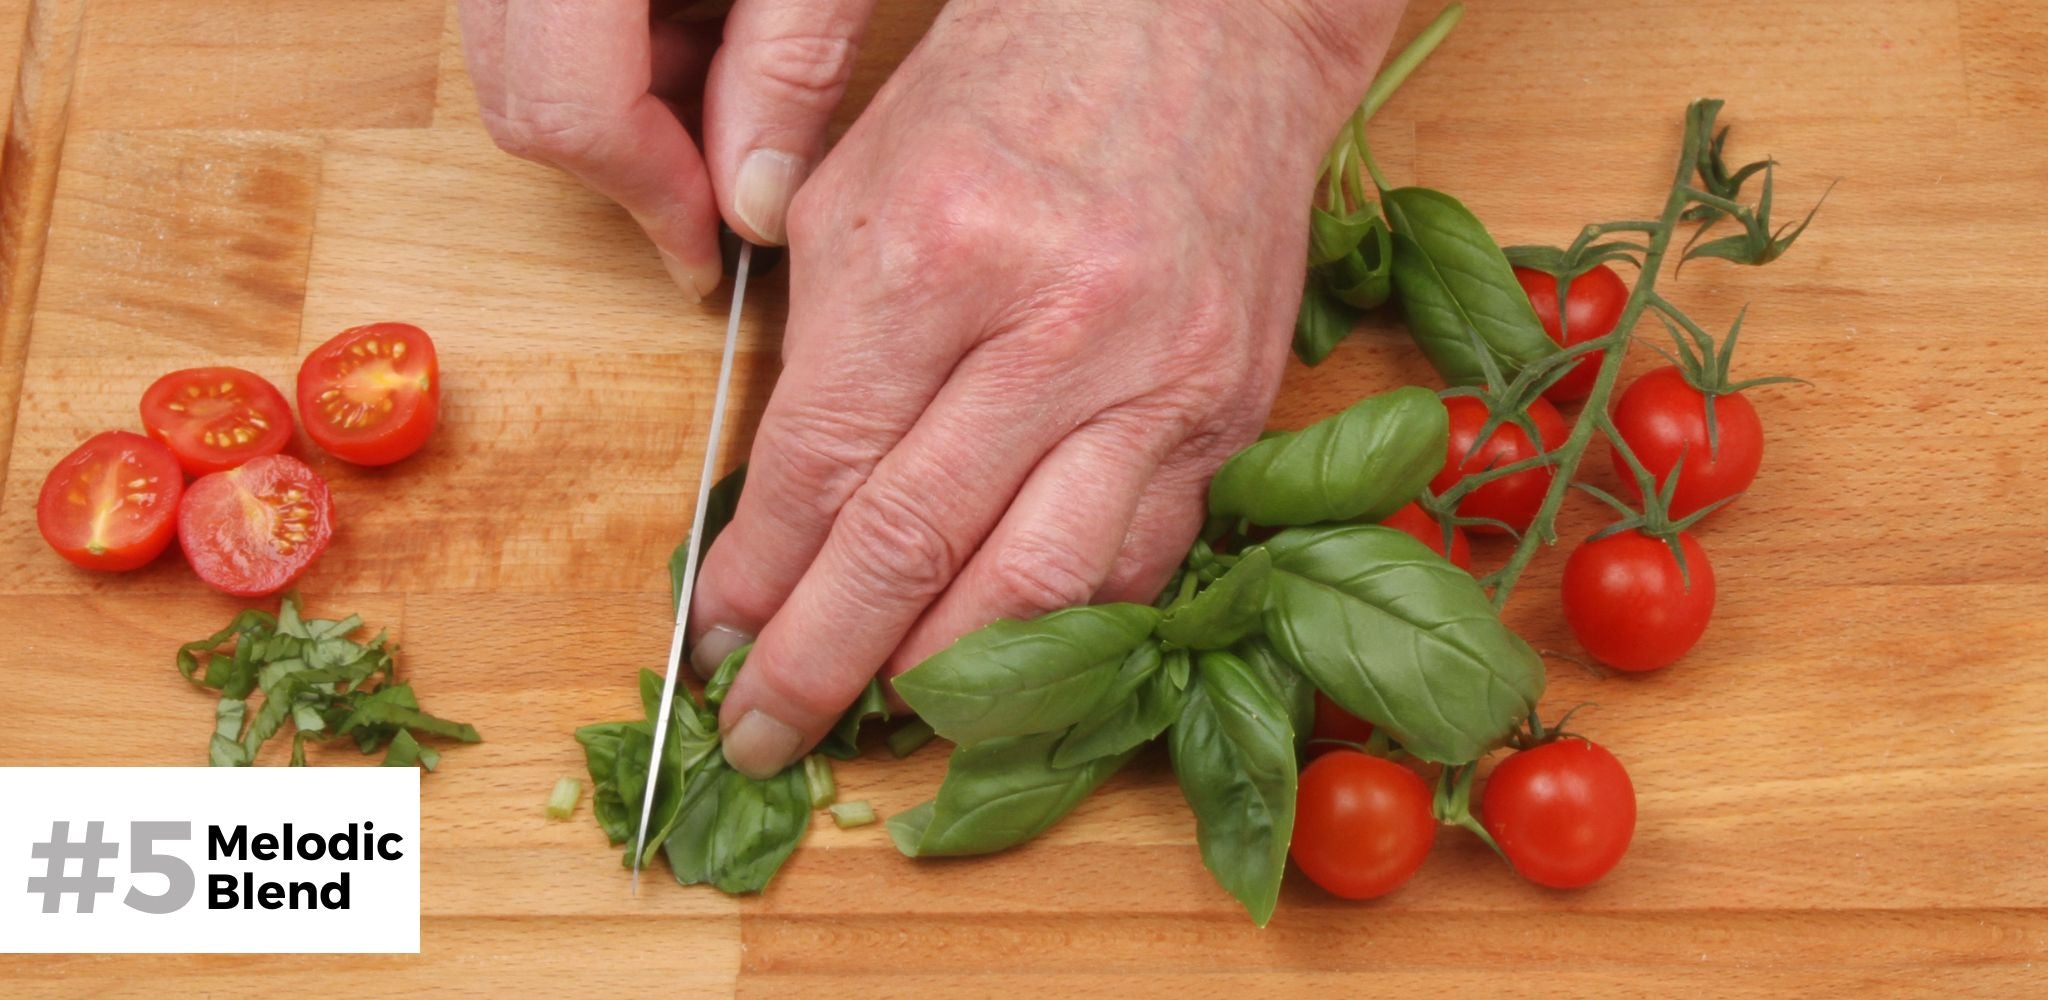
[[1512, 500], [372, 394], [1593, 303], [216, 418], [1362, 824], [1628, 604], [255, 528], [1563, 812], [112, 504], [1417, 522]]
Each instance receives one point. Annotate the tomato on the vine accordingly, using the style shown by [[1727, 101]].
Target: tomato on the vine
[[1512, 499], [1334, 723], [1628, 603], [112, 504], [252, 530], [1416, 522], [216, 418], [1362, 824], [1593, 303], [372, 394], [1563, 812], [1663, 417]]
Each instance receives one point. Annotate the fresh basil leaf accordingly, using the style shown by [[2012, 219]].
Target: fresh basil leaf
[[1124, 723], [1332, 237], [407, 752], [719, 506], [1322, 321], [721, 680], [843, 742], [735, 832], [601, 744], [1401, 638], [998, 794], [1361, 464], [1364, 277], [1018, 678], [1224, 612], [1179, 664], [1294, 691], [1453, 281], [394, 705], [1234, 754]]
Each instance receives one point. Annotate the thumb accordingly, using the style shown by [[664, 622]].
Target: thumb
[[774, 83]]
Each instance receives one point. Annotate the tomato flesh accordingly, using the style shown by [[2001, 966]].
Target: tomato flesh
[[216, 418], [1415, 521], [1362, 824], [1512, 500], [112, 504], [1662, 417], [256, 528], [1629, 606], [1562, 812], [372, 394], [1593, 303]]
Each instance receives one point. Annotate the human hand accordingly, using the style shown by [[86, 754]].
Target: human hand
[[1042, 288], [612, 91]]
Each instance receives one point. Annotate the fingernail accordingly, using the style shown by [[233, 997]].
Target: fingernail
[[696, 282], [714, 647], [768, 179], [761, 745]]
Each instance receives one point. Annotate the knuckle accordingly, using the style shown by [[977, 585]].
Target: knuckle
[[557, 132], [811, 69], [819, 458], [897, 541], [1035, 574]]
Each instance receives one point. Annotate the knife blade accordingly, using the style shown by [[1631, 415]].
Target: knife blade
[[689, 582]]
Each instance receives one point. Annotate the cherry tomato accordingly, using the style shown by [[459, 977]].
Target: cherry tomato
[[1512, 499], [252, 530], [112, 504], [1661, 417], [1562, 812], [1593, 302], [371, 395], [216, 418], [1417, 522], [1362, 824], [1627, 603], [1334, 723]]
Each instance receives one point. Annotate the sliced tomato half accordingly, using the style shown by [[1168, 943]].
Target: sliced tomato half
[[256, 528], [216, 418], [372, 394], [112, 504]]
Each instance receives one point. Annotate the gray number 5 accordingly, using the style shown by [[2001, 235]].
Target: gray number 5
[[142, 838]]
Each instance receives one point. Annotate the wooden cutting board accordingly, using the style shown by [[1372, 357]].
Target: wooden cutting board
[[1842, 789]]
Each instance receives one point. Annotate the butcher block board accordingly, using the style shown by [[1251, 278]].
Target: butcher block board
[[1842, 788]]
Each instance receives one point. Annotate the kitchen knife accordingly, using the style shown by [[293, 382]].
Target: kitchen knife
[[688, 584]]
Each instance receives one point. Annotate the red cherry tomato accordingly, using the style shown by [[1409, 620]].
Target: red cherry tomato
[[1593, 302], [1334, 723], [216, 418], [1562, 812], [252, 530], [1661, 417], [372, 394], [1627, 603], [1511, 499], [112, 504], [1415, 521], [1362, 824]]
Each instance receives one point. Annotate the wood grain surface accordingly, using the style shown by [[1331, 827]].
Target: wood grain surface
[[1842, 789]]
